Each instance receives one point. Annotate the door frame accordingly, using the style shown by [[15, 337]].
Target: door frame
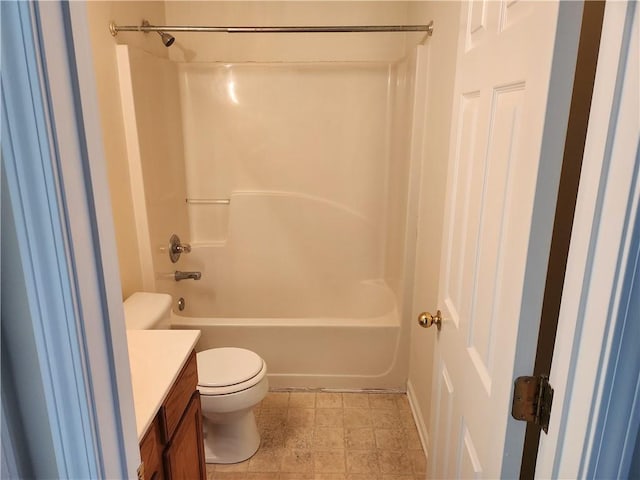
[[599, 256], [574, 147], [59, 201]]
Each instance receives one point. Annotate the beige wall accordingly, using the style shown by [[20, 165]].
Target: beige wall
[[223, 47], [103, 46], [441, 69], [151, 105]]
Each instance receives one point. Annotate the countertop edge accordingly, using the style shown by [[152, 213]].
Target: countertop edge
[[153, 372]]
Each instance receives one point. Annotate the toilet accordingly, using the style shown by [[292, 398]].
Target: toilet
[[231, 382]]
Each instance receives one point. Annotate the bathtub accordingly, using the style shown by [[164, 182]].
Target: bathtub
[[358, 352], [296, 279]]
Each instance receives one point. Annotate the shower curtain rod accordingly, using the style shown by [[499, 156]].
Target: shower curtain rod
[[114, 29]]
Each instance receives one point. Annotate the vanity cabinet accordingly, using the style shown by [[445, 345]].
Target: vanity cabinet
[[172, 448], [151, 449], [179, 458]]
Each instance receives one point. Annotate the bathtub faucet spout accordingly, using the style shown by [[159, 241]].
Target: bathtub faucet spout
[[178, 275]]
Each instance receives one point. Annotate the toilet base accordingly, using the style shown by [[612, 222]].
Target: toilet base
[[231, 442]]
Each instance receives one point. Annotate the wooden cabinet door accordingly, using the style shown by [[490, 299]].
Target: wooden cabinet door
[[184, 456], [151, 452], [179, 397]]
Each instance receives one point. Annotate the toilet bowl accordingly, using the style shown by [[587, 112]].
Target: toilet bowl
[[231, 382]]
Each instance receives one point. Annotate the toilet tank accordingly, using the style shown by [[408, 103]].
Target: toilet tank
[[147, 311]]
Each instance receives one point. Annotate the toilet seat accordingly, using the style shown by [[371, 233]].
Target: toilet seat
[[226, 370]]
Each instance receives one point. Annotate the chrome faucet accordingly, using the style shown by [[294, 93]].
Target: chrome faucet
[[178, 275]]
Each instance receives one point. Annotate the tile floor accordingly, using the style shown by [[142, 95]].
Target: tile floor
[[332, 436]]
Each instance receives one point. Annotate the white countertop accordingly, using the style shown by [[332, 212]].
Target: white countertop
[[156, 358]]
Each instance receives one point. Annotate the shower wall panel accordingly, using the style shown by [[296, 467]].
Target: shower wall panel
[[314, 131], [399, 169], [155, 143]]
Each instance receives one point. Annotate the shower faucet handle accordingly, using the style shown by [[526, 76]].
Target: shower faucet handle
[[176, 248], [182, 248]]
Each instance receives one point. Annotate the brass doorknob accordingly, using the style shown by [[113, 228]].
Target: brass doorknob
[[425, 319]]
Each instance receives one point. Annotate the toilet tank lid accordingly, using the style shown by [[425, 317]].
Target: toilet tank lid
[[144, 310]]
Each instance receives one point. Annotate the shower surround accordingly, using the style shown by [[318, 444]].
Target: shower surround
[[309, 263]]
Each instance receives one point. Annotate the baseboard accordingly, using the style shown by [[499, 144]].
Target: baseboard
[[418, 419], [337, 383], [335, 390]]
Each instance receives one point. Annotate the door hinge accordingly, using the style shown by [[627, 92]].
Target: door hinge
[[532, 399], [141, 471]]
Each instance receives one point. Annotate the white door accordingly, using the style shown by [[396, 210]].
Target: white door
[[506, 148]]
